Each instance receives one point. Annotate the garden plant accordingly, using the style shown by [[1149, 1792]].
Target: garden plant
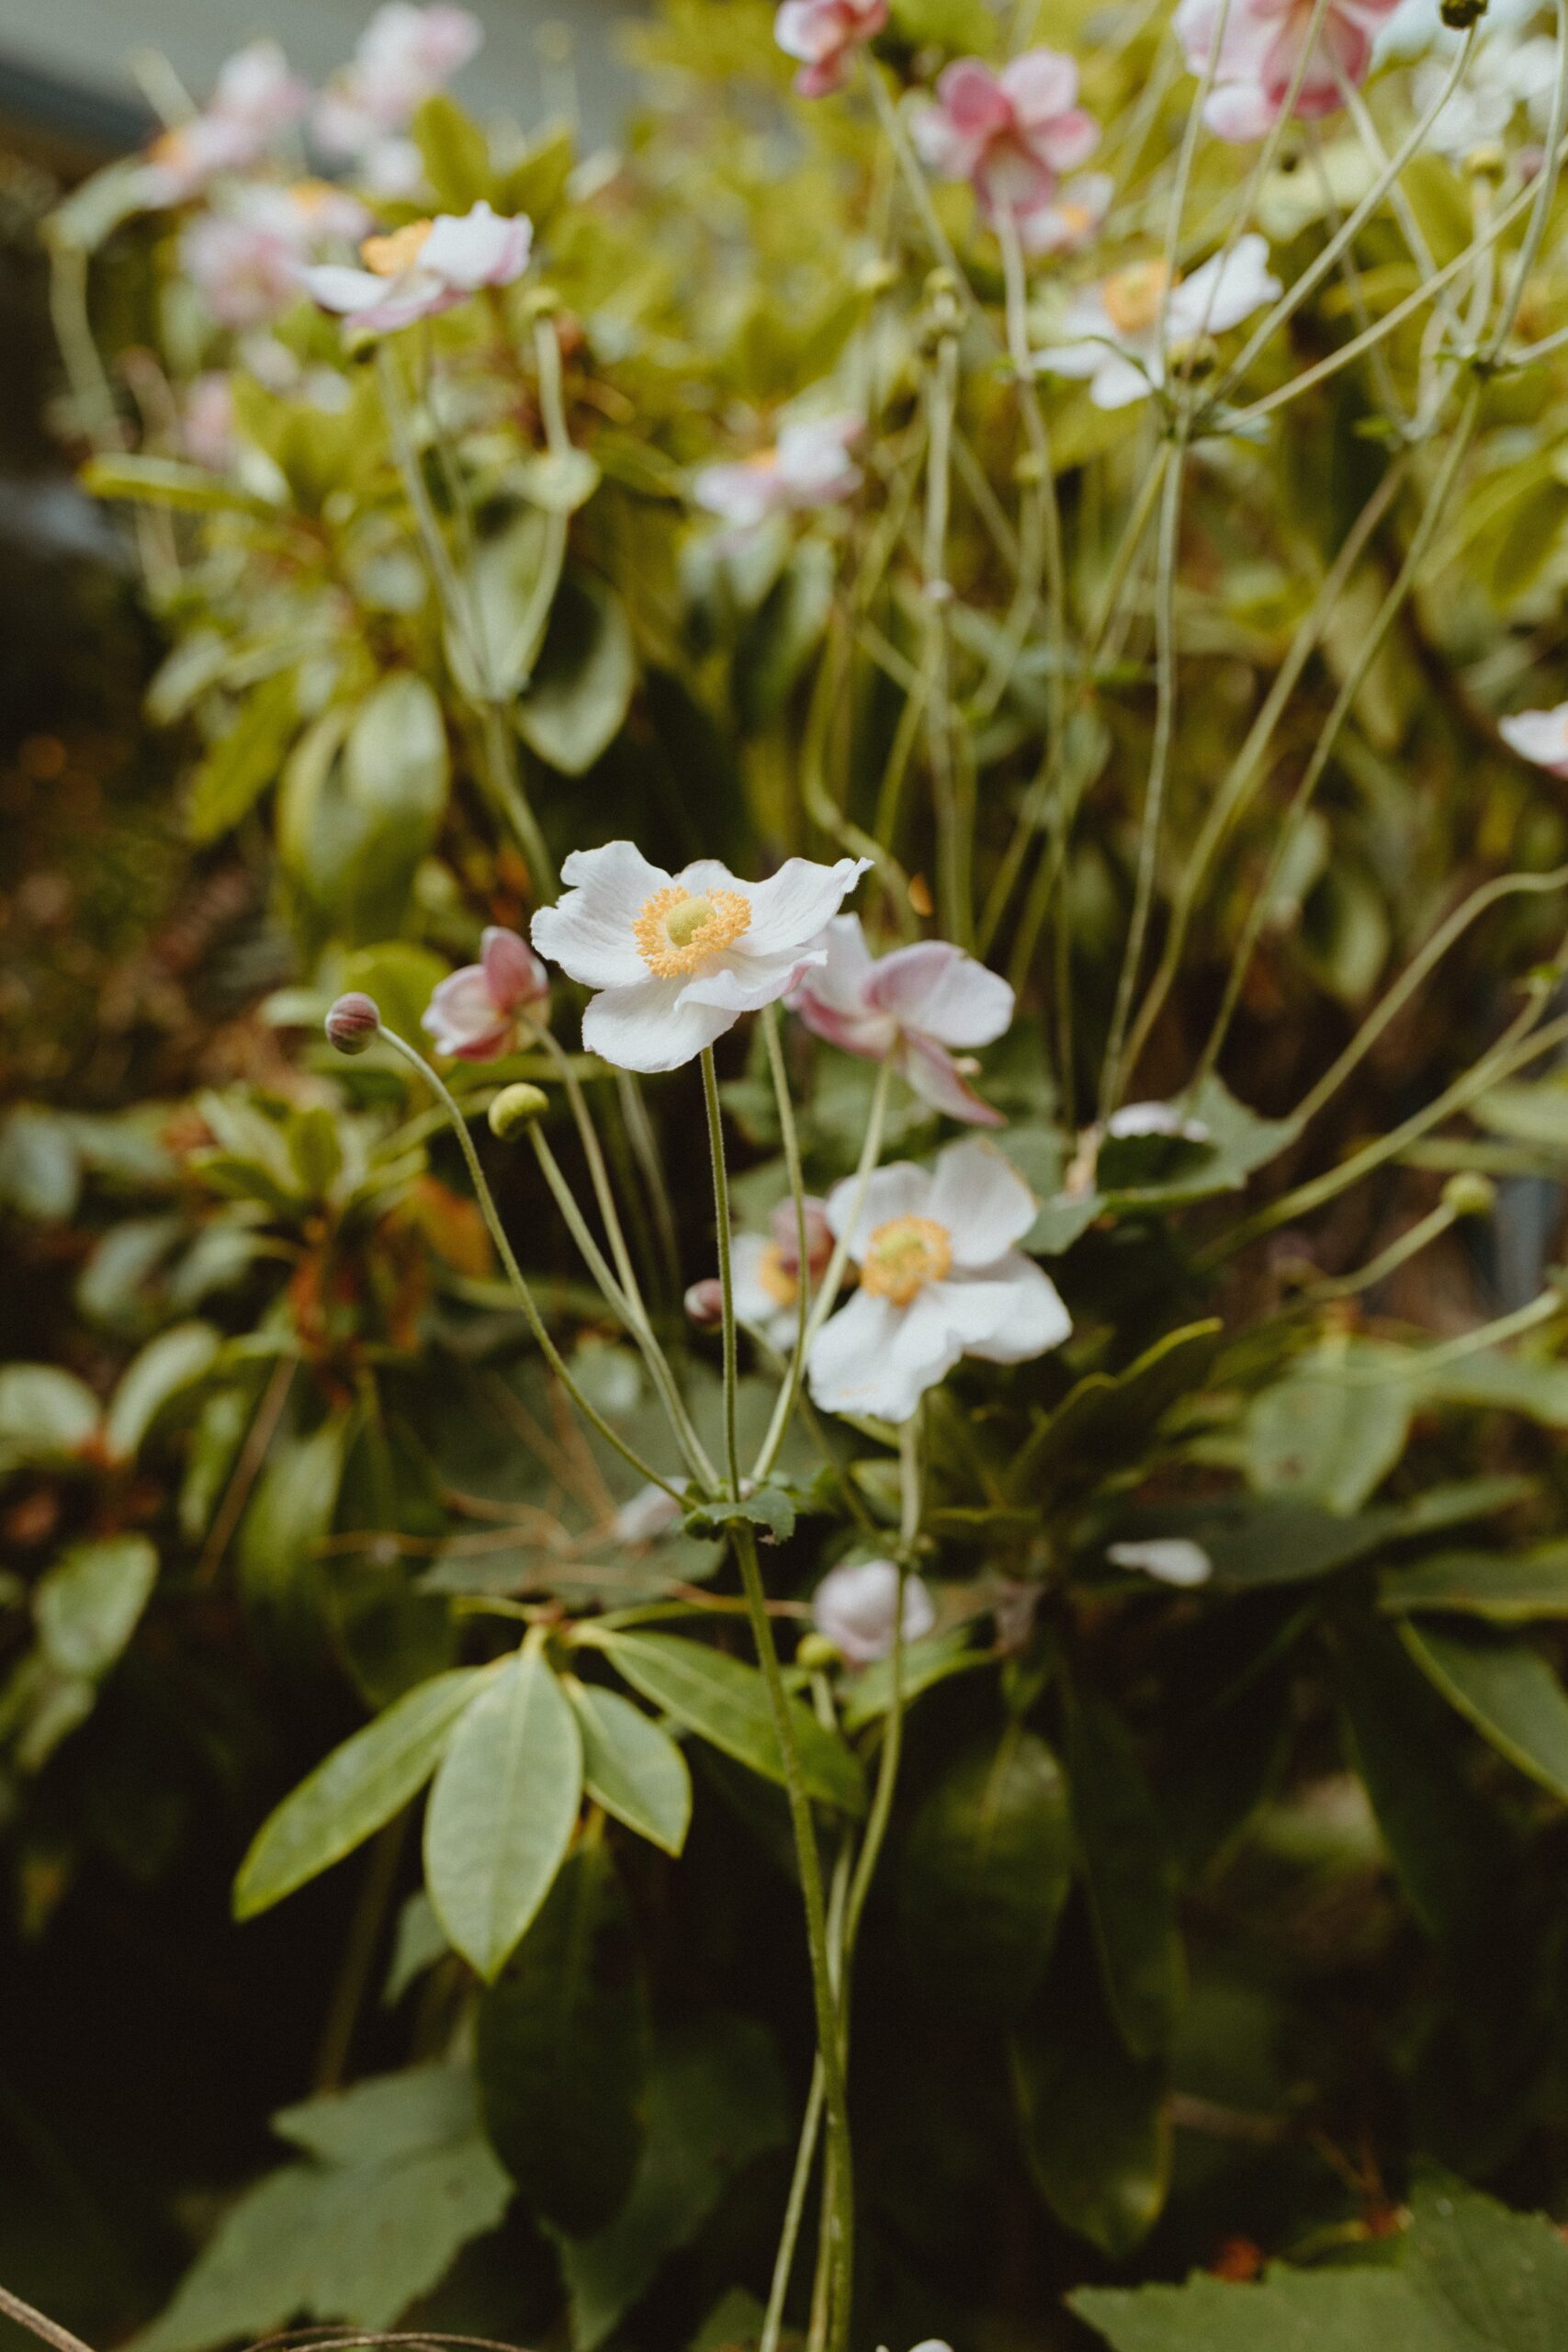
[[845, 1443]]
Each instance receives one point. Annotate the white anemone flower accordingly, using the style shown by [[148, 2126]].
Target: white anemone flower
[[677, 958], [1503, 75], [1111, 331], [855, 1607], [425, 269], [941, 1277], [1541, 735], [809, 467], [647, 1515], [912, 1008], [1172, 1559]]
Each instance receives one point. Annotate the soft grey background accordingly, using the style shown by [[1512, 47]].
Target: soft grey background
[[73, 60]]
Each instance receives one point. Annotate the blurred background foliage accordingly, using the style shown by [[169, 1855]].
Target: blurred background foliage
[[1211, 1923]]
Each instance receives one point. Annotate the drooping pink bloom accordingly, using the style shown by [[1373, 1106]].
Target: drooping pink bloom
[[767, 1273], [206, 421], [1261, 45], [1072, 218], [254, 98], [824, 35], [425, 269], [1011, 135], [913, 1007], [808, 466], [481, 1010]]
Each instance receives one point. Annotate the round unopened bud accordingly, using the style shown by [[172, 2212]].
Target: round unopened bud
[[875, 277], [816, 1654], [1460, 15], [353, 1022], [705, 1304], [1470, 1193], [517, 1107]]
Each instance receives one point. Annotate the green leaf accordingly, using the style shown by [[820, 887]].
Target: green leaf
[[1129, 1875], [357, 1789], [536, 182], [245, 760], [163, 481], [1506, 1690], [399, 2178], [986, 1870], [1093, 2119], [868, 1693], [631, 1768], [1107, 1417], [502, 1810], [47, 1416], [455, 152], [563, 2051], [41, 1163], [289, 1517], [1255, 1540], [1445, 1842], [1508, 1588], [582, 687], [1328, 1431], [724, 1701], [511, 587], [175, 1360], [716, 2100], [967, 27], [1467, 2277], [561, 481], [783, 635], [770, 1509], [89, 1605]]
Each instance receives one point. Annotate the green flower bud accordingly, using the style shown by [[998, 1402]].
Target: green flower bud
[[816, 1654], [1470, 1193], [1460, 15], [517, 1107]]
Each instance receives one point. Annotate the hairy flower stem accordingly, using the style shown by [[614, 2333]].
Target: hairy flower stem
[[726, 1268], [515, 1275], [911, 1438], [795, 1374], [954, 833], [824, 1999], [629, 1313]]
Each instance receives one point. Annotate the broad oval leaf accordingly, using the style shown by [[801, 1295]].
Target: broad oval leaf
[[631, 1768], [1130, 1873], [1506, 1690], [360, 1787], [1508, 1588], [89, 1604], [563, 2051], [174, 1360], [988, 1867], [1095, 2121], [502, 1810], [724, 1701]]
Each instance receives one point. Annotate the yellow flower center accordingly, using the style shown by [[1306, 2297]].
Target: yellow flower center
[[778, 1280], [903, 1256], [1133, 296], [312, 196], [390, 256], [761, 461], [676, 933], [1075, 219]]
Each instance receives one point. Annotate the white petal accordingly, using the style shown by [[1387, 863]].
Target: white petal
[[1172, 1558], [1225, 290], [588, 930], [795, 904], [898, 1189], [754, 1303], [339, 288], [647, 1027], [1538, 735], [866, 1359], [932, 1072], [856, 1607], [745, 983], [1118, 382], [1029, 1318], [982, 1200]]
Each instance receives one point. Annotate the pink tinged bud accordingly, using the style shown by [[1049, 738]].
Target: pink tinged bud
[[514, 974], [784, 1228], [353, 1022], [704, 1304]]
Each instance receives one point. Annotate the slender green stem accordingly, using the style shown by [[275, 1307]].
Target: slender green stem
[[810, 2126], [726, 1270], [1366, 654], [911, 1492], [1544, 192], [503, 773], [824, 1999], [515, 1275], [955, 836], [1399, 1252], [785, 1407], [1116, 1069]]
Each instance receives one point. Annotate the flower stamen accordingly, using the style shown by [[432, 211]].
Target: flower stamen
[[677, 934], [1133, 296], [903, 1256], [390, 256], [780, 1280]]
